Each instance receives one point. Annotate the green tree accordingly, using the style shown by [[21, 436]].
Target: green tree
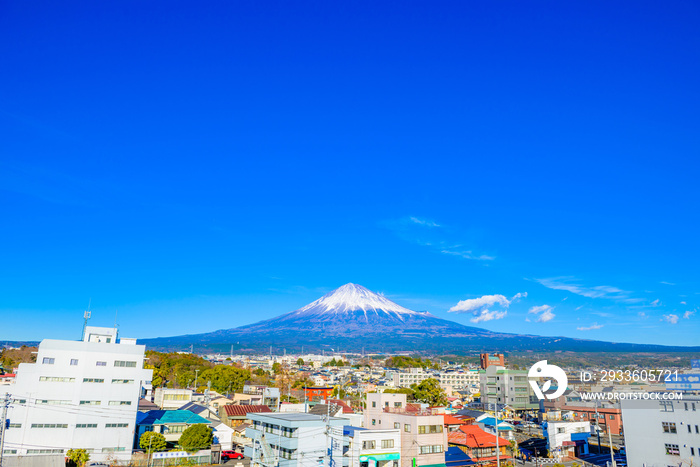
[[196, 437], [225, 379], [430, 392], [410, 394], [152, 442], [259, 372], [78, 456], [300, 361], [276, 368]]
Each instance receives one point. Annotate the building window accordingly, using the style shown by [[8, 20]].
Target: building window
[[90, 402], [93, 380], [73, 361], [369, 445], [423, 429], [692, 451], [374, 422], [666, 406], [690, 429], [407, 428], [101, 363], [397, 426], [116, 425], [387, 443], [397, 404], [122, 381], [52, 402], [175, 428], [433, 449], [48, 361], [113, 449], [696, 429], [672, 450], [374, 403], [44, 451], [124, 364], [119, 402], [561, 430], [86, 425], [612, 417], [14, 425], [57, 379], [49, 425], [668, 427]]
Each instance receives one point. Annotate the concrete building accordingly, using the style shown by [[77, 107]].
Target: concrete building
[[447, 379], [502, 386], [423, 437], [78, 394], [567, 438], [487, 360], [662, 432], [292, 439], [171, 398], [381, 448]]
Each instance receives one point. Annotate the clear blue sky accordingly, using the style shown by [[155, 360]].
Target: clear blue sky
[[199, 166]]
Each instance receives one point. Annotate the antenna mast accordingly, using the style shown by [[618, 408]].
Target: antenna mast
[[86, 316]]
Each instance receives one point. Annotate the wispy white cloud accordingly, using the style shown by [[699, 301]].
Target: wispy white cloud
[[656, 302], [544, 313], [466, 254], [673, 319], [423, 222], [642, 315], [666, 283], [480, 307], [591, 327], [683, 303], [689, 313], [571, 285], [427, 232]]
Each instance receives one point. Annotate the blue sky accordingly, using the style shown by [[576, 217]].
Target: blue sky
[[189, 167]]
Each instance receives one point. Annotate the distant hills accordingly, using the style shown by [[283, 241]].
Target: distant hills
[[353, 318]]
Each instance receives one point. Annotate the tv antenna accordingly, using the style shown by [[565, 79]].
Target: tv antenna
[[86, 316]]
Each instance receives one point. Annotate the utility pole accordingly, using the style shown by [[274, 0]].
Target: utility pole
[[612, 457], [498, 452], [196, 375], [86, 317], [5, 405]]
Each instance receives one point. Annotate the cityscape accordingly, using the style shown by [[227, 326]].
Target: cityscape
[[365, 234]]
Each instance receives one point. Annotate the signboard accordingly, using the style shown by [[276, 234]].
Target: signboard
[[695, 364], [684, 382], [389, 456]]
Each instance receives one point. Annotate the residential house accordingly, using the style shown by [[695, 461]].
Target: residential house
[[169, 423], [567, 438], [171, 398], [479, 445], [233, 415]]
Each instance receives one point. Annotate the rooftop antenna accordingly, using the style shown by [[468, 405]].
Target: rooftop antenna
[[86, 316]]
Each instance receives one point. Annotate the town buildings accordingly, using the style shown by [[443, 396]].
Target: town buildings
[[503, 386], [78, 394], [380, 448]]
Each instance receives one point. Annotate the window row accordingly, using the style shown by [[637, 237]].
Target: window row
[[65, 425], [74, 362], [386, 444], [435, 448], [423, 429]]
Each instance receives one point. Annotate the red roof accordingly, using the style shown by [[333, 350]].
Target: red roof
[[474, 437], [243, 410], [450, 420]]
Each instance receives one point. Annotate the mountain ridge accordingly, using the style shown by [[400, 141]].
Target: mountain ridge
[[353, 317]]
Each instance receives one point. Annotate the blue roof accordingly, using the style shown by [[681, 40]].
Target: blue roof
[[491, 421], [455, 457], [162, 417], [350, 430]]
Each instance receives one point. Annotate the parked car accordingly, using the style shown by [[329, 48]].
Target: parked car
[[231, 455]]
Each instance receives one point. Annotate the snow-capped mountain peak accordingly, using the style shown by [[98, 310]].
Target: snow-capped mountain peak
[[353, 297]]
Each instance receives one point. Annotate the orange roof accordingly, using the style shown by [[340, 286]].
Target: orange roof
[[474, 437], [450, 420]]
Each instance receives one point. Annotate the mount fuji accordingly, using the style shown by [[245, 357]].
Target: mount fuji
[[353, 318]]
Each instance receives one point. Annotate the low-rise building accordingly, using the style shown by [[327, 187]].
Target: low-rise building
[[567, 438], [502, 386], [478, 445], [423, 437], [169, 423], [234, 415], [291, 439], [171, 398], [381, 448]]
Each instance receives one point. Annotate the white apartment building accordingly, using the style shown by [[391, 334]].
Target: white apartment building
[[78, 394], [661, 433], [451, 379], [423, 437]]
